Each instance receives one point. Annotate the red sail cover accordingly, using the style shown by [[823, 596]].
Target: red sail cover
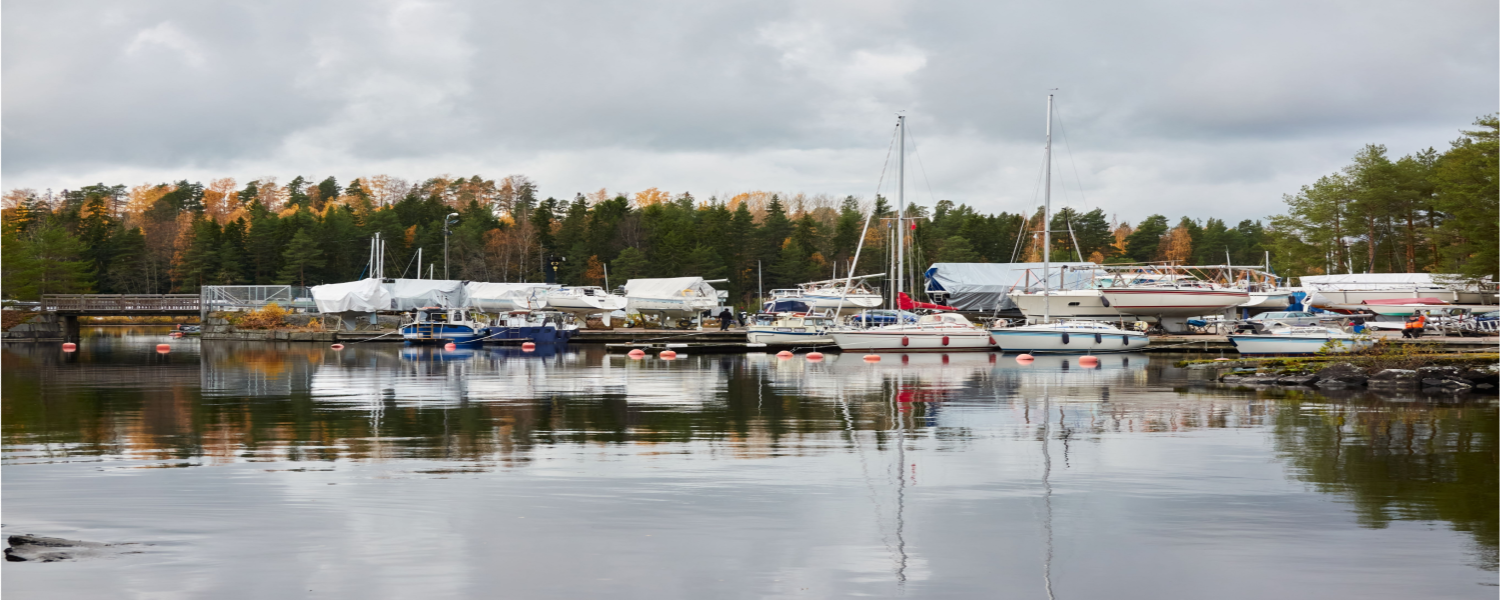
[[906, 303]]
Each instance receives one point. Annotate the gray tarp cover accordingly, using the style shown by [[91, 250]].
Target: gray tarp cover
[[984, 286]]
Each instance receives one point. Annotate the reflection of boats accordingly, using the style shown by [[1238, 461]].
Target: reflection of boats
[[538, 326], [1299, 340], [833, 295], [431, 354], [584, 301], [942, 332], [1068, 336], [673, 298], [441, 325], [789, 329]]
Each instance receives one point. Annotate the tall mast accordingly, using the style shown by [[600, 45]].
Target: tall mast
[[1047, 225], [901, 211]]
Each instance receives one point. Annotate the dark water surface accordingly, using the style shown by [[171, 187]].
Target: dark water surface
[[261, 470]]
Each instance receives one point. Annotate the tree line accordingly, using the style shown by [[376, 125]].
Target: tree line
[[1423, 212]]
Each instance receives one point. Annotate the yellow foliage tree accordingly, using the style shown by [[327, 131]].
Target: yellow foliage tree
[[220, 199], [651, 196], [1177, 245], [593, 273]]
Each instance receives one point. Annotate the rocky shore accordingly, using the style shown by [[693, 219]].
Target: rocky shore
[[1482, 378]]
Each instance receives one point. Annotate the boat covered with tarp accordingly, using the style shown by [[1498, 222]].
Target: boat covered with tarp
[[987, 287]]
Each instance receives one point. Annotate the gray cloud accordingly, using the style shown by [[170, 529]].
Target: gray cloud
[[1166, 104]]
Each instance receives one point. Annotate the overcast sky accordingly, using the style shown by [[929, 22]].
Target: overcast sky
[[1197, 108]]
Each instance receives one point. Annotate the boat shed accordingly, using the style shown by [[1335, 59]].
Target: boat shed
[[985, 287]]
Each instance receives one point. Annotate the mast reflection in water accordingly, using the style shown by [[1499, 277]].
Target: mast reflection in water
[[384, 470]]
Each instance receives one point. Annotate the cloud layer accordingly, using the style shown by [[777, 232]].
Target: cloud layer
[[1177, 107]]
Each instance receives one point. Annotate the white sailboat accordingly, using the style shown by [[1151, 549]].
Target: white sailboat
[[842, 295], [943, 332], [1066, 336], [681, 298]]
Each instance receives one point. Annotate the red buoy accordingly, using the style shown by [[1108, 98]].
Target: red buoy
[[450, 346], [1025, 358], [814, 356], [637, 354], [1088, 361], [872, 358], [70, 347], [337, 346], [528, 347], [784, 354], [667, 355], [163, 348]]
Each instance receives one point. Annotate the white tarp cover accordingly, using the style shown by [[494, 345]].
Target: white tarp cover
[[673, 287], [367, 295], [489, 296], [409, 294], [986, 286]]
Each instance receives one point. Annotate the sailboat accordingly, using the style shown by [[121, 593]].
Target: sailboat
[[941, 332], [583, 301], [1063, 336]]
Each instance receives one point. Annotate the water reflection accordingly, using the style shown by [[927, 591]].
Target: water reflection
[[1050, 435]]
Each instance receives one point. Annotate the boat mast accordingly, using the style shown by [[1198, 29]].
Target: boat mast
[[1047, 225], [901, 212]]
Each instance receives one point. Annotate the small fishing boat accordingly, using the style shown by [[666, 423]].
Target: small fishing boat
[[786, 329], [1300, 340], [1067, 337], [536, 326], [583, 301], [436, 325]]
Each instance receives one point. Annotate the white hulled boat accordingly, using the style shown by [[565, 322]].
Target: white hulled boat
[[682, 298], [442, 325], [1068, 336], [583, 301], [786, 329], [1300, 340], [847, 296], [1172, 303], [942, 332]]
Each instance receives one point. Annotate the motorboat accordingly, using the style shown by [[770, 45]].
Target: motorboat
[[1173, 303], [1398, 307], [785, 329], [436, 325], [1068, 336], [583, 301], [536, 326], [679, 298], [940, 332], [843, 295], [1300, 340]]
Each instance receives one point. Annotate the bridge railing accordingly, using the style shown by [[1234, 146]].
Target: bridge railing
[[246, 297], [122, 304]]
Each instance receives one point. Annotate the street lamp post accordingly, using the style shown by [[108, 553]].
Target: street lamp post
[[447, 222]]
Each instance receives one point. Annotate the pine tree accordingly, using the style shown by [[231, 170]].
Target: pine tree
[[630, 264], [46, 260], [127, 269], [956, 249], [301, 255]]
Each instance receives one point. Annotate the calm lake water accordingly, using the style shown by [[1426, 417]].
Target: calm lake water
[[262, 470]]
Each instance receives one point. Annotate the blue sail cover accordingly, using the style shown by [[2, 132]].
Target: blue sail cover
[[786, 305]]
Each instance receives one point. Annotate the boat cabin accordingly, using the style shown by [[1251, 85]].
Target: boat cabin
[[950, 319]]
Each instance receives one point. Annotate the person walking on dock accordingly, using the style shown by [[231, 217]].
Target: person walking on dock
[[726, 318]]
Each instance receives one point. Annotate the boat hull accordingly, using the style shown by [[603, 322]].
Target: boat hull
[[684, 308], [439, 333], [1295, 345], [914, 340], [788, 338], [1174, 302], [1070, 304], [583, 304], [1023, 340], [850, 304], [539, 334]]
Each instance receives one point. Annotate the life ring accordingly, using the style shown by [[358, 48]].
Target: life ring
[[945, 341], [905, 341]]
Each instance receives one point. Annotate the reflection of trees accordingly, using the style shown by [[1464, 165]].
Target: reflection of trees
[[1413, 461]]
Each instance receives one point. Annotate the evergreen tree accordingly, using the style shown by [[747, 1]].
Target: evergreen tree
[[630, 264], [1466, 189], [1142, 244], [296, 191], [46, 260], [301, 255], [127, 269], [230, 257], [328, 191], [956, 249]]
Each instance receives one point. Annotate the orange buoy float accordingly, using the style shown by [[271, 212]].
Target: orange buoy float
[[667, 355], [450, 346], [163, 348], [528, 347], [814, 356], [872, 358], [1025, 358], [337, 346], [784, 354], [1088, 361], [70, 347], [637, 354]]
